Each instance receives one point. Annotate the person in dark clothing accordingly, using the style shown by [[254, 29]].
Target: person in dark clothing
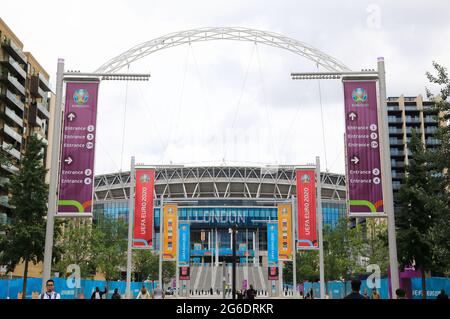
[[442, 295], [401, 294], [250, 293], [239, 295], [97, 294], [116, 294], [356, 286]]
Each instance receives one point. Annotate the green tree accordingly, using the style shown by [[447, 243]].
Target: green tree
[[418, 208], [24, 239], [76, 246], [110, 246], [440, 156], [168, 271], [342, 250], [146, 265], [375, 249]]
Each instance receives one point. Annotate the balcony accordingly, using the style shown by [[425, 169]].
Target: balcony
[[395, 142], [43, 83], [13, 100], [10, 168], [394, 119], [398, 164], [4, 181], [13, 83], [413, 119], [431, 130], [13, 116], [4, 201], [15, 51], [430, 119], [9, 131], [15, 68], [393, 130], [397, 153], [43, 109], [11, 150], [398, 175], [35, 89], [432, 141]]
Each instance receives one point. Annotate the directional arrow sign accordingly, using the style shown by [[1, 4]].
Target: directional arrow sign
[[353, 116], [71, 116], [355, 160], [68, 160]]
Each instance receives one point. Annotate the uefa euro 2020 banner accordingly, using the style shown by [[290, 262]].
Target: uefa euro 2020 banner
[[184, 244], [272, 244], [170, 232], [143, 208], [364, 187], [306, 209], [76, 174], [284, 232]]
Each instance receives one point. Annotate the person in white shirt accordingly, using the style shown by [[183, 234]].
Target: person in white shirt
[[143, 294], [158, 293], [97, 294], [50, 292]]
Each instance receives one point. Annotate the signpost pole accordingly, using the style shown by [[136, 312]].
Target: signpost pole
[[53, 174], [177, 270], [130, 228], [388, 202], [161, 211], [320, 224], [294, 247]]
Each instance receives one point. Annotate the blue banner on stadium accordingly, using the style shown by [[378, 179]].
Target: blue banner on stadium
[[272, 244], [183, 246]]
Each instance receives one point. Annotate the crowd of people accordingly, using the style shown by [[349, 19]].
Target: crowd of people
[[249, 293]]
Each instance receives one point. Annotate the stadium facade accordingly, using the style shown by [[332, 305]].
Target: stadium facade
[[213, 198]]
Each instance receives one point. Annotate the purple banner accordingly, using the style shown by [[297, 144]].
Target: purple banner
[[362, 148], [76, 175]]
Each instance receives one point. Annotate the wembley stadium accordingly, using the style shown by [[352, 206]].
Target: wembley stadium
[[214, 198]]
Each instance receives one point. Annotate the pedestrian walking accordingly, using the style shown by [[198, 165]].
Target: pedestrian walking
[[375, 294], [158, 293], [50, 292], [116, 294], [356, 286], [143, 294], [442, 295], [250, 293], [401, 294], [97, 294]]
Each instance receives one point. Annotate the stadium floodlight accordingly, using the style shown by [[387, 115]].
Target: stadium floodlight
[[331, 75], [108, 76]]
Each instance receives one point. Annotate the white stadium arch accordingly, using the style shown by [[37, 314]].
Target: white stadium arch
[[224, 33]]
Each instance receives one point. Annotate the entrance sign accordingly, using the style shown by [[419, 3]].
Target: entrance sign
[[284, 232], [170, 232], [306, 203], [143, 208], [184, 244], [365, 195], [272, 244], [76, 175]]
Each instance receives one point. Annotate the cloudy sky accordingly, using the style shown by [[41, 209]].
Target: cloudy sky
[[230, 102]]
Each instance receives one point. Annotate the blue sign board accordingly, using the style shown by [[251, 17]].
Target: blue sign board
[[272, 244], [184, 243]]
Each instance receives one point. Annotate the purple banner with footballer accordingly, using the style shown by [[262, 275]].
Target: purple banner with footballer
[[76, 175], [363, 148]]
